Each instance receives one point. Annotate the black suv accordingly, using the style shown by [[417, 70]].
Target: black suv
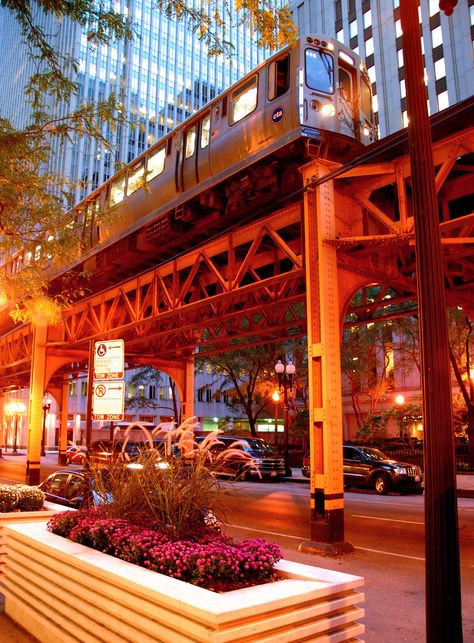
[[256, 458], [367, 467]]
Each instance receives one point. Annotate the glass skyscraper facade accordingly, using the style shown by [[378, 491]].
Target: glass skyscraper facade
[[372, 29], [161, 77]]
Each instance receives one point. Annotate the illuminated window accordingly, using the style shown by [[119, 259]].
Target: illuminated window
[[443, 100], [403, 90], [398, 28], [367, 17], [436, 37], [340, 35], [320, 71], [243, 100], [156, 163], [190, 142], [205, 130], [433, 7], [371, 73], [135, 177], [400, 58], [404, 119], [353, 29], [375, 103], [369, 47], [117, 190], [440, 69]]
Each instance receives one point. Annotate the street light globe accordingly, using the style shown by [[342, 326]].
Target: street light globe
[[399, 399], [276, 396], [279, 367]]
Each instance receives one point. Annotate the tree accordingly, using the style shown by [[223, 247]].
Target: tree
[[32, 200], [148, 376]]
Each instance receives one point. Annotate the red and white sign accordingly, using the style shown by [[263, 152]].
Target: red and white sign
[[108, 401], [109, 359]]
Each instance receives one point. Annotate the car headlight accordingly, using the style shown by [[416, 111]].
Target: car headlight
[[401, 471]]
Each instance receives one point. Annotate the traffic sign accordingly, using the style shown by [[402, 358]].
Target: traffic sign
[[109, 359], [108, 401]]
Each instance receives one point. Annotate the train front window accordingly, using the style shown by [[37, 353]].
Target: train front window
[[319, 71], [345, 84], [243, 100], [278, 77]]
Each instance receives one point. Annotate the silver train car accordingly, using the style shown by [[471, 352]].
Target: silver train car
[[312, 99]]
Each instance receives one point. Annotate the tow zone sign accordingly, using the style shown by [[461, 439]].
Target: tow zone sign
[[108, 401]]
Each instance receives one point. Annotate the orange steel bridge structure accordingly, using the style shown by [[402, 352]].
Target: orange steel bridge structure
[[291, 268]]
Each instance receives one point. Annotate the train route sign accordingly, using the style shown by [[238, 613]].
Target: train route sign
[[108, 401], [109, 359]]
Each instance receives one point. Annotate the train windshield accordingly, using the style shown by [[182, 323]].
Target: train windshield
[[319, 71]]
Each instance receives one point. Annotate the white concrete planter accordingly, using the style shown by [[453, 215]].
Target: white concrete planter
[[61, 591], [49, 509]]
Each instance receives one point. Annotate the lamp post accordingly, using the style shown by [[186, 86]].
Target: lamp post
[[46, 408], [285, 376], [15, 408], [276, 399]]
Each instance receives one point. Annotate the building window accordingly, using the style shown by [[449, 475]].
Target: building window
[[72, 388], [404, 119], [208, 395], [152, 392], [340, 35], [436, 37], [162, 392], [433, 7], [400, 58], [403, 91], [440, 69], [200, 394], [218, 397], [369, 47], [443, 100], [367, 18], [398, 28], [353, 29]]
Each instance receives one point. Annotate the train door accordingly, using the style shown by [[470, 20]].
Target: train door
[[193, 162], [279, 110], [347, 95]]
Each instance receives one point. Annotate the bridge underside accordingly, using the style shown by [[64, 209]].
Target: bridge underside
[[290, 269]]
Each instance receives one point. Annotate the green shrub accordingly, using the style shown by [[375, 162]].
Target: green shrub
[[30, 498], [20, 497], [8, 497]]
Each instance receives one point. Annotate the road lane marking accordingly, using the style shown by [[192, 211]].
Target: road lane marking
[[389, 553], [375, 551], [408, 522]]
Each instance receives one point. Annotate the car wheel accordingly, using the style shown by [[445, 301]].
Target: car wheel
[[381, 484]]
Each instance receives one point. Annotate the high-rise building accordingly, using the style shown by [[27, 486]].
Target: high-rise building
[[161, 77], [372, 29]]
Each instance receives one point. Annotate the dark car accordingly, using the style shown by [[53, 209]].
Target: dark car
[[108, 451], [367, 467], [305, 467], [74, 489], [248, 458]]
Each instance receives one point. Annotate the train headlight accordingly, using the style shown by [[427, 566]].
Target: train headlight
[[328, 109], [367, 130]]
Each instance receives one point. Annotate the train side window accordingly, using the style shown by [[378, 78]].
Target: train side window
[[319, 70], [135, 177], [278, 77], [243, 100], [156, 163], [190, 141], [205, 130], [117, 190], [345, 84]]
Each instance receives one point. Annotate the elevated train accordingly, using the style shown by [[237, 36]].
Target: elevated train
[[238, 152]]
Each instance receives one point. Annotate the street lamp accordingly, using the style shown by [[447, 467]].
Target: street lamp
[[46, 408], [15, 408], [285, 376], [276, 399]]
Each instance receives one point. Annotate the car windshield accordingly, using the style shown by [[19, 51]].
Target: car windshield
[[256, 445], [373, 454]]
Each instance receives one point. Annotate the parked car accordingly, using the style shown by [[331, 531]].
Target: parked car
[[368, 467], [76, 454], [107, 451], [71, 488], [255, 458], [305, 467]]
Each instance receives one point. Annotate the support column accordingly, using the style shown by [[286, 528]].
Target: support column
[[324, 372], [35, 414], [62, 440], [187, 408]]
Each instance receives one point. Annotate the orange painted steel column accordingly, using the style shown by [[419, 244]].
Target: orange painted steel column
[[324, 373], [35, 414], [63, 423]]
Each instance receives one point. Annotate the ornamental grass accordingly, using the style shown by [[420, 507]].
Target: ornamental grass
[[165, 512]]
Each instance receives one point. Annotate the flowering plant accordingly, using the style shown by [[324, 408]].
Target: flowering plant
[[166, 515], [20, 497]]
